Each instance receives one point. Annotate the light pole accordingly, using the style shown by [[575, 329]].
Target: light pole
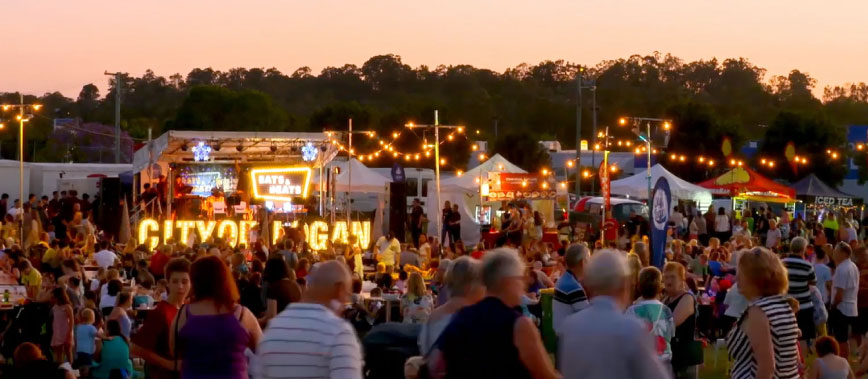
[[637, 121], [437, 128], [350, 153], [22, 118]]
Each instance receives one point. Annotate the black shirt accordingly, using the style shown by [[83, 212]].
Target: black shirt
[[284, 292], [416, 216], [478, 343]]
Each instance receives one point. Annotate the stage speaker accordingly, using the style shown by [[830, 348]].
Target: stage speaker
[[109, 215], [398, 209]]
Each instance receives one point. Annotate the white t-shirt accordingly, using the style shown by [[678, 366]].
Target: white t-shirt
[[851, 234], [846, 278], [773, 238], [824, 275], [105, 258], [677, 218], [721, 224]]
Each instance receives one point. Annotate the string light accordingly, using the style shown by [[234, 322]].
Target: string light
[[570, 163]]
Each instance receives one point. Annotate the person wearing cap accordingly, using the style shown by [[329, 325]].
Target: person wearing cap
[[570, 296], [601, 341]]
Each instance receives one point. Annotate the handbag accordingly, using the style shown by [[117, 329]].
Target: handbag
[[687, 353]]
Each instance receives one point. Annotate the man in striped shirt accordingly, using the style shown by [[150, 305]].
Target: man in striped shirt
[[308, 339], [801, 276], [570, 296]]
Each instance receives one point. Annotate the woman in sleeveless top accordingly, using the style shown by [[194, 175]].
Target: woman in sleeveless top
[[209, 335], [764, 343], [490, 339], [683, 307], [828, 364]]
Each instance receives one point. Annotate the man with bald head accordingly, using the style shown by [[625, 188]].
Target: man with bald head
[[601, 341], [309, 338]]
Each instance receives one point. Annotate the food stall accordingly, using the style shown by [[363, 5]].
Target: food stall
[[818, 197], [748, 188]]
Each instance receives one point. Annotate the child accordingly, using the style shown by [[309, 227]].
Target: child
[[85, 341], [401, 284], [656, 316], [61, 338], [143, 294], [828, 364], [161, 292]]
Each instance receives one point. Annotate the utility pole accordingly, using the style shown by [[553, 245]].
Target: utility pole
[[593, 88], [579, 133], [437, 128], [118, 85]]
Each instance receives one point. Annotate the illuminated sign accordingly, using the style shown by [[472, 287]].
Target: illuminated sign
[[201, 152], [280, 183], [235, 233], [309, 152], [202, 182]]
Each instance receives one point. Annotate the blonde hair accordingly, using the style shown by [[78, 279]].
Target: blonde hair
[[415, 285], [87, 316], [765, 270], [112, 274]]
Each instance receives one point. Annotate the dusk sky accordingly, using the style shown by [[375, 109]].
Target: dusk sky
[[62, 45]]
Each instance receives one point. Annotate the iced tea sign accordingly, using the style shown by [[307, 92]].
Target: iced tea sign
[[282, 184]]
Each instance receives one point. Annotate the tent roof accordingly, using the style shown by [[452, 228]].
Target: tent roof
[[496, 163], [637, 185], [364, 179], [743, 180], [811, 185], [234, 147]]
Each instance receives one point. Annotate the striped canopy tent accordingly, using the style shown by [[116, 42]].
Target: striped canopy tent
[[749, 184]]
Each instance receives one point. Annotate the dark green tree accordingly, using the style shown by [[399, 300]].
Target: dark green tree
[[523, 149]]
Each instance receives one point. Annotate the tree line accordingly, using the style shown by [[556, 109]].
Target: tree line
[[707, 100]]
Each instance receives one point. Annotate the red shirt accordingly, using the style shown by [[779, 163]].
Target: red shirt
[[158, 264], [154, 336]]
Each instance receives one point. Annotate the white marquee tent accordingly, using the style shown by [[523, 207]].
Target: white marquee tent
[[636, 186], [464, 191], [364, 179], [367, 190]]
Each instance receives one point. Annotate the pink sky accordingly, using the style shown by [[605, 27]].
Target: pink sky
[[62, 45]]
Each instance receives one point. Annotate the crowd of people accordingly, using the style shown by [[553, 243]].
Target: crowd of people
[[777, 289]]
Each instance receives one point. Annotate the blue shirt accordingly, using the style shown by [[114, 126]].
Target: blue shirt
[[569, 298], [85, 337], [602, 342]]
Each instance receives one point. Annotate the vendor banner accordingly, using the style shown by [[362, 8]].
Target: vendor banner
[[513, 186], [833, 201], [660, 206], [605, 183]]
